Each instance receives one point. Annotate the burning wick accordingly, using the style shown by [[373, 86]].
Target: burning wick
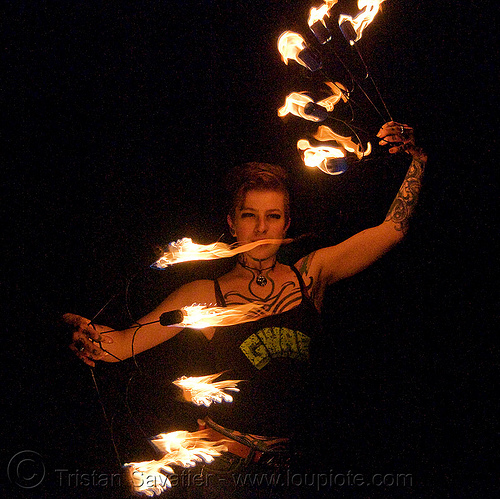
[[292, 46], [315, 110], [317, 23], [182, 448], [348, 31], [201, 316], [184, 250], [201, 391], [300, 104], [172, 317]]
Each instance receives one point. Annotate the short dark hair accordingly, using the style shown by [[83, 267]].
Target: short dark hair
[[255, 177]]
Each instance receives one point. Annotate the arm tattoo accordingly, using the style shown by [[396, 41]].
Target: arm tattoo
[[306, 263], [304, 269], [315, 293], [406, 199]]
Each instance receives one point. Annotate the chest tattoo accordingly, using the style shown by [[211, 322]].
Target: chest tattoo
[[275, 302]]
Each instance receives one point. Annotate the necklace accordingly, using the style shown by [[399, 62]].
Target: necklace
[[261, 279]]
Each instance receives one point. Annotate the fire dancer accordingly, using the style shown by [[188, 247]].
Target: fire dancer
[[272, 354]]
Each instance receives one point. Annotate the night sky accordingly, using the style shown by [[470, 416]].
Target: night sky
[[121, 120]]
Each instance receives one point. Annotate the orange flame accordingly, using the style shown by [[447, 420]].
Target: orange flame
[[319, 13], [338, 92], [184, 250], [182, 448], [369, 9], [296, 102], [317, 157], [201, 391], [201, 316], [290, 44], [325, 133], [330, 3]]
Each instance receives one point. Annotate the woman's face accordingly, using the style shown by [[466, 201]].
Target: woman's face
[[261, 215]]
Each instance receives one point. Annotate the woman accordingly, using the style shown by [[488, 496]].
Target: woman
[[271, 354]]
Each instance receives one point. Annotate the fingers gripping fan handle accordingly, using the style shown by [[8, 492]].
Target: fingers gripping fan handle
[[171, 318]]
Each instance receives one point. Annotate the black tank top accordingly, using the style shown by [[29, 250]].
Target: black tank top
[[273, 356]]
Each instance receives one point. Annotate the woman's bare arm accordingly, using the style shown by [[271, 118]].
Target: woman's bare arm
[[91, 342], [353, 255]]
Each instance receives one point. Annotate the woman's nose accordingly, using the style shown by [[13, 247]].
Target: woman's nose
[[261, 226]]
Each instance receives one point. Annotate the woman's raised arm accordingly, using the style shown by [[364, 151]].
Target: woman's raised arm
[[351, 256]]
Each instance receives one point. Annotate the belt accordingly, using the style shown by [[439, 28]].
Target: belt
[[233, 446]]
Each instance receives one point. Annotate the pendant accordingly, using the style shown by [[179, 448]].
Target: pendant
[[261, 280]]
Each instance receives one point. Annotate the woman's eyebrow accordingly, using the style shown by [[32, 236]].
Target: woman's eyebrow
[[271, 210]]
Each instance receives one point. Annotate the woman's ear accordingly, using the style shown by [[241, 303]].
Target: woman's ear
[[231, 225]]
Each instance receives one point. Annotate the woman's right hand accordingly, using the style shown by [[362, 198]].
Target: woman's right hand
[[86, 338]]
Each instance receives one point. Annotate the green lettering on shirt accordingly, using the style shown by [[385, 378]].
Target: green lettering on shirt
[[274, 342]]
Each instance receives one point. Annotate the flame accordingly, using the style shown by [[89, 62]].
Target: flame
[[318, 14], [290, 44], [294, 104], [181, 448], [330, 3], [369, 9], [338, 92], [296, 101], [318, 157], [184, 250], [325, 133], [201, 391], [201, 316]]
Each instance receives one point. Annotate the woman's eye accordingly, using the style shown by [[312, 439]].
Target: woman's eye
[[246, 215], [276, 216]]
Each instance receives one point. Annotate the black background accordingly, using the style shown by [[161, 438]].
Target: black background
[[121, 121]]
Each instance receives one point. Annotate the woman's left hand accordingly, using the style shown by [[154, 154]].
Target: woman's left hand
[[400, 138]]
